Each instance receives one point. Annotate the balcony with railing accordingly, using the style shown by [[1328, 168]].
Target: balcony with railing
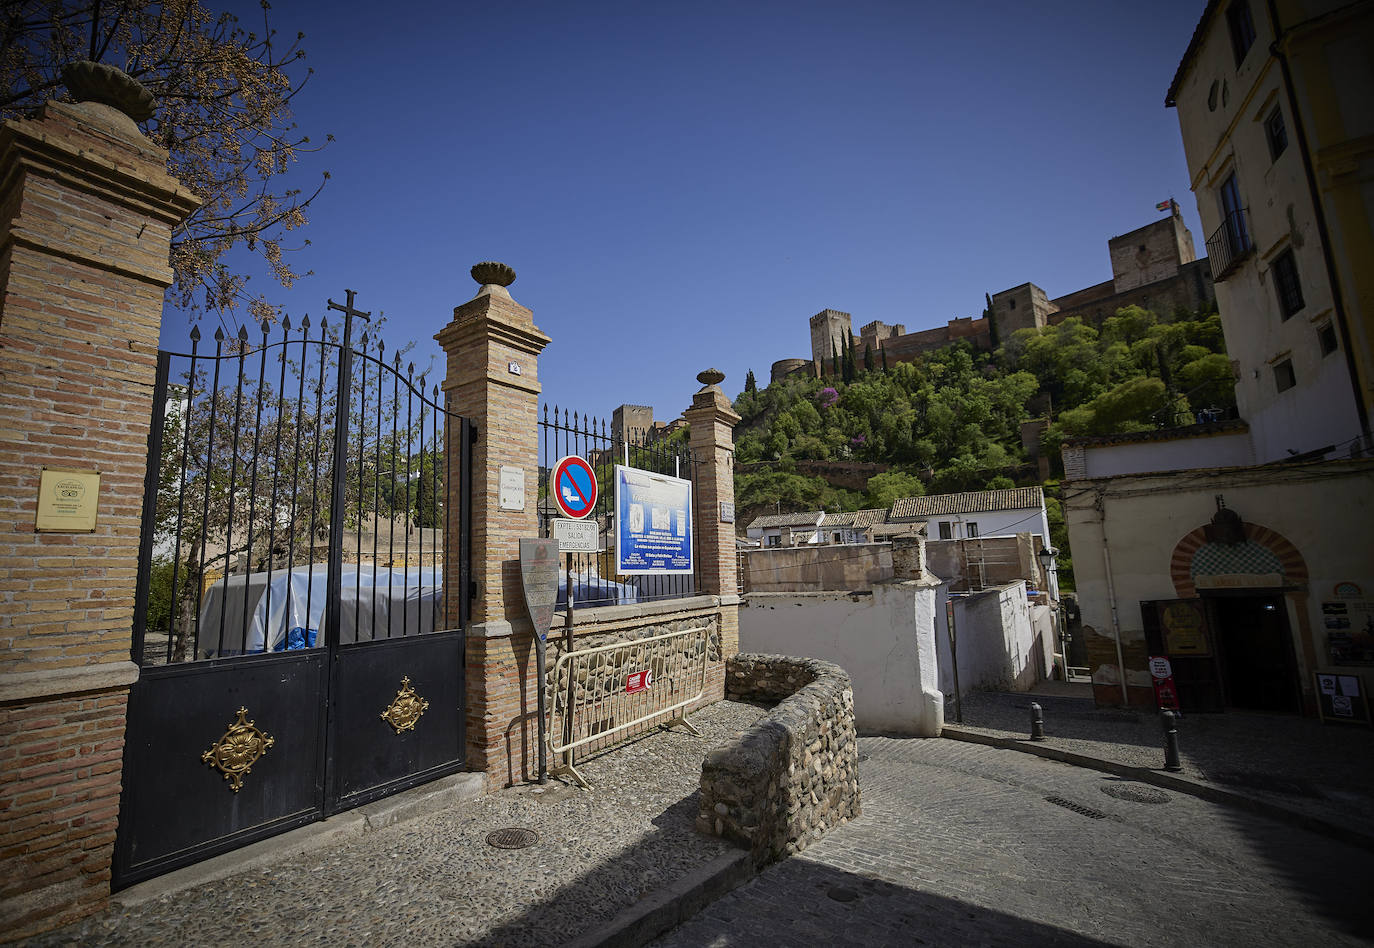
[[1229, 244]]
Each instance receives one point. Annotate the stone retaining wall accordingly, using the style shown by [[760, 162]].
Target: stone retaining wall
[[793, 775]]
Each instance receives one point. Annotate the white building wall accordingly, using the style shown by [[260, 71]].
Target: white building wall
[[886, 641], [1224, 134], [996, 641], [1227, 450]]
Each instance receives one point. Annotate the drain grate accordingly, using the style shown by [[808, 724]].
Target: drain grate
[[512, 837], [1077, 808]]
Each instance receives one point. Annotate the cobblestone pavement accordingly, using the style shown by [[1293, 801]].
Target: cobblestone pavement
[[1322, 770], [958, 845], [435, 881]]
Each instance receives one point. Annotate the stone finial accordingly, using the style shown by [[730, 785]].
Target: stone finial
[[711, 377], [104, 84], [491, 273]]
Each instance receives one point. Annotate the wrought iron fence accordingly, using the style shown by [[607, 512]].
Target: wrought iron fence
[[594, 577], [288, 474]]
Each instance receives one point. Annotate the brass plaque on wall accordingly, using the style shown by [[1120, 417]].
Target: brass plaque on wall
[[67, 501]]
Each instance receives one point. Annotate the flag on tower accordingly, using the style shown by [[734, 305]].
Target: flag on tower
[[1165, 205]]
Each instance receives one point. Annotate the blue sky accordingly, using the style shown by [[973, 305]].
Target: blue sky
[[682, 185]]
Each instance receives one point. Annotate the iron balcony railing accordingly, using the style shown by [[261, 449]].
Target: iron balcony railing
[[1229, 244]]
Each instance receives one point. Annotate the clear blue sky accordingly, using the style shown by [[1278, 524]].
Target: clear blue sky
[[681, 185]]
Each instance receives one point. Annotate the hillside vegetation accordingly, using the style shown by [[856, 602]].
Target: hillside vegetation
[[951, 421]]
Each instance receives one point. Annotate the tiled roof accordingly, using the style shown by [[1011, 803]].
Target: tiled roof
[[807, 519], [866, 518], [978, 501]]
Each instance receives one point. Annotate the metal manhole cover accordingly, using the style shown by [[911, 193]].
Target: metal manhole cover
[[1077, 808], [512, 837], [1135, 793]]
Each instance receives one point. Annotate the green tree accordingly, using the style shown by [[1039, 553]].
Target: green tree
[[887, 488], [222, 110], [868, 357], [750, 384]]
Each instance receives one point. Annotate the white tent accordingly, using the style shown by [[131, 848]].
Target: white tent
[[281, 609]]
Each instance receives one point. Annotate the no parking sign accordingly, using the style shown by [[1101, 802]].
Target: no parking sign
[[574, 487]]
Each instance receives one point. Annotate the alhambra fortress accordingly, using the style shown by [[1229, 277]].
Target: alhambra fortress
[[1154, 267]]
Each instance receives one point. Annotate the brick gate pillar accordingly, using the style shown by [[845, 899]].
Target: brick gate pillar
[[493, 351], [712, 421], [86, 212]]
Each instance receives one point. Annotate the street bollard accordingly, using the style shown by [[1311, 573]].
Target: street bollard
[[1037, 722], [1171, 761]]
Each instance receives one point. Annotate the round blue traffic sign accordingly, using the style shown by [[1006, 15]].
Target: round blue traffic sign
[[574, 487]]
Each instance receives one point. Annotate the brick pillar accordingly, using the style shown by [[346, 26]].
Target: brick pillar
[[493, 351], [713, 420], [86, 213]]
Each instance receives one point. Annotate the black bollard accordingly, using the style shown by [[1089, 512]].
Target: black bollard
[[1037, 722], [1171, 761]]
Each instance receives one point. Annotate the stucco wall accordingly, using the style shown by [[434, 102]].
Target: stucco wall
[[1324, 510], [997, 643], [885, 640]]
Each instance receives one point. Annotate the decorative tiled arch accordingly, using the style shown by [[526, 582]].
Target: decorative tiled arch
[[1180, 564]]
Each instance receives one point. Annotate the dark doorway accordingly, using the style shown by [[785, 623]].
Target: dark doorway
[[1257, 663]]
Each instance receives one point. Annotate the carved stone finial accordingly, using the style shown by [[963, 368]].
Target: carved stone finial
[[102, 83], [711, 377], [490, 272]]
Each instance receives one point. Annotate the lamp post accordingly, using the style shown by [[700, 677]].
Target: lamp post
[[1047, 563]]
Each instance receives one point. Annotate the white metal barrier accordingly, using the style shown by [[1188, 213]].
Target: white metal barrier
[[603, 692]]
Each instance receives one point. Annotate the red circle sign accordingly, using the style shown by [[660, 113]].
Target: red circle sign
[[574, 487]]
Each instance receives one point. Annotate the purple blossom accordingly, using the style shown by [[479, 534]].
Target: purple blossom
[[829, 397], [858, 439]]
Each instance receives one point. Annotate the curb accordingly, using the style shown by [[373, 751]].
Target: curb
[[407, 805], [664, 909], [1169, 781]]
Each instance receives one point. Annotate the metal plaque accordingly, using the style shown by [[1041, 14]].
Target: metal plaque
[[539, 577], [727, 511], [67, 501], [577, 536]]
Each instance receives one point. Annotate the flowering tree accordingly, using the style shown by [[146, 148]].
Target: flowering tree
[[223, 97]]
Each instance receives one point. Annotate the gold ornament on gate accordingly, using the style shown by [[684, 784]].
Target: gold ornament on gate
[[238, 750], [405, 709]]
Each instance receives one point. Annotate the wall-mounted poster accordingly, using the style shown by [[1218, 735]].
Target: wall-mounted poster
[[653, 523], [1341, 698], [1185, 628], [1348, 618]]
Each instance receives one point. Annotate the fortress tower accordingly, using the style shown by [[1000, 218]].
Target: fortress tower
[[829, 326]]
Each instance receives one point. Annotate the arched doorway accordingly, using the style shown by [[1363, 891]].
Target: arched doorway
[[1239, 577]]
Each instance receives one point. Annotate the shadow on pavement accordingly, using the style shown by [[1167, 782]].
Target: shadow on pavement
[[804, 903], [1332, 878], [593, 899]]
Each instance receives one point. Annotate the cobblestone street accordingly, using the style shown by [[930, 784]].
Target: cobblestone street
[[958, 844]]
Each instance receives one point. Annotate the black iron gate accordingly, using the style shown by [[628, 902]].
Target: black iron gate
[[299, 622]]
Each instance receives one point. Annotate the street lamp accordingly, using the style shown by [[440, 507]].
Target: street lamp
[[1047, 563]]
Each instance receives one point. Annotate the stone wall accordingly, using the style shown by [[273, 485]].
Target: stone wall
[[793, 775]]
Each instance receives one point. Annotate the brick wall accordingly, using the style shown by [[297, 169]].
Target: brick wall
[[88, 210]]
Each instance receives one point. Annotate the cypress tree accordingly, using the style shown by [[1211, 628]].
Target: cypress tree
[[883, 352], [850, 369], [750, 383], [834, 359], [868, 357], [993, 338]]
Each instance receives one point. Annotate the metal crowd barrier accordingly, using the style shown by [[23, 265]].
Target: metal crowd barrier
[[603, 692]]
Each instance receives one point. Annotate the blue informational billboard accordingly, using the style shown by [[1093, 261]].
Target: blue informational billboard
[[653, 529]]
